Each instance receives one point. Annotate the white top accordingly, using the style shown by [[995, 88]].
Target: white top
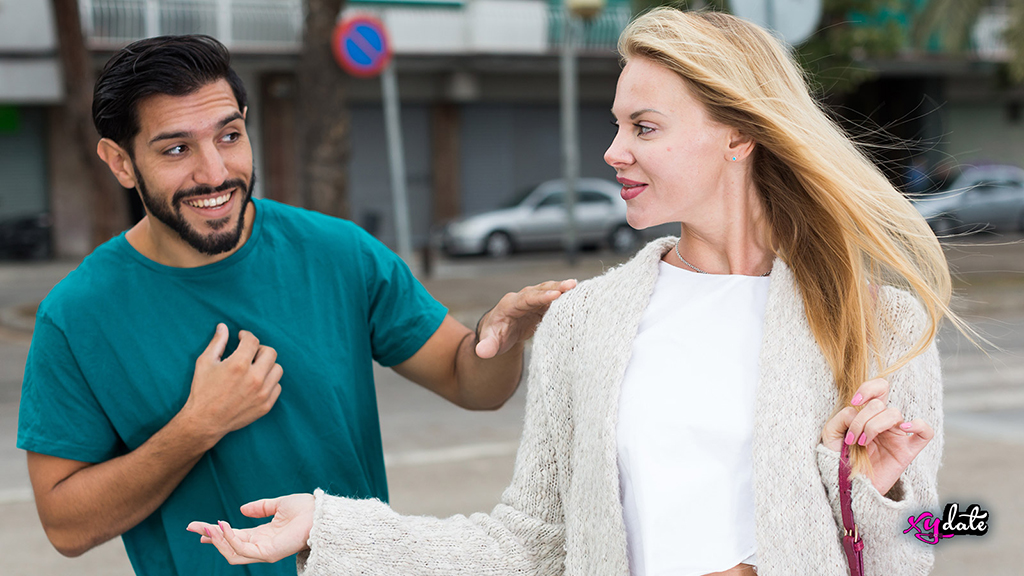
[[686, 418]]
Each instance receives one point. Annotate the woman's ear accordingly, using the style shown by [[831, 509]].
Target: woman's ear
[[118, 160], [740, 146]]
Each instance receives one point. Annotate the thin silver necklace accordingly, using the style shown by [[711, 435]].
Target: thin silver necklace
[[698, 270]]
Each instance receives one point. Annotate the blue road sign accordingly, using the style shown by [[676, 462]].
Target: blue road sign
[[361, 46]]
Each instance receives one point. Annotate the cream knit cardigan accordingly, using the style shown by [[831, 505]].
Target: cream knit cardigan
[[562, 514]]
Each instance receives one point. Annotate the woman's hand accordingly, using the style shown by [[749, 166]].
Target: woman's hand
[[892, 443], [285, 535]]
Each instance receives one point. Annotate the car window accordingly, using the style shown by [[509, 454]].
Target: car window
[[997, 183], [589, 197], [518, 198], [553, 199]]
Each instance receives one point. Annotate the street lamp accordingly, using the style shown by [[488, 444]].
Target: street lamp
[[586, 10]]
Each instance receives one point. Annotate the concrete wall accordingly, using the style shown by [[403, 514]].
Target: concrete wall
[[26, 26], [981, 132]]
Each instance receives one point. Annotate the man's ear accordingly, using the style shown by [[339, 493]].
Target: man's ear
[[118, 160], [245, 111]]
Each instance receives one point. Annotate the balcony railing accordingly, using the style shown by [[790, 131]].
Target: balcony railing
[[242, 25], [987, 36], [475, 27]]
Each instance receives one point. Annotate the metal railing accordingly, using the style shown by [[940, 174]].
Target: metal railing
[[276, 25], [987, 36], [259, 25], [600, 34]]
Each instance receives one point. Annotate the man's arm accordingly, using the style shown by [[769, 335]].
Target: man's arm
[[481, 370], [82, 505]]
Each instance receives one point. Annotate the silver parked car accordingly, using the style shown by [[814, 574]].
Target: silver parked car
[[538, 220], [982, 198]]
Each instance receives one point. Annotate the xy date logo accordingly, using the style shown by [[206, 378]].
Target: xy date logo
[[932, 529]]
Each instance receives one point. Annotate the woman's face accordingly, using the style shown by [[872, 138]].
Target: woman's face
[[670, 157]]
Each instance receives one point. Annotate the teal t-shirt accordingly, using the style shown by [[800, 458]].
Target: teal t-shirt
[[115, 346]]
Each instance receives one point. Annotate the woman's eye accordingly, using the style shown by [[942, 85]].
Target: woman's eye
[[642, 130]]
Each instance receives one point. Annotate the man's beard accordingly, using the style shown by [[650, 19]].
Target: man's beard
[[170, 214]]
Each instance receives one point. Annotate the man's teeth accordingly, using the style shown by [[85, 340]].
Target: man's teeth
[[209, 202]]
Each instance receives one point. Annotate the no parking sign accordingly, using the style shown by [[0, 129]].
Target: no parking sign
[[361, 46]]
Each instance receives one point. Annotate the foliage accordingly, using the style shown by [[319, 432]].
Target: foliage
[[1015, 41], [948, 24], [852, 32]]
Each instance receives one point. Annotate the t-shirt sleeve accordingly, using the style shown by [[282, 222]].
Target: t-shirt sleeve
[[59, 414], [402, 314]]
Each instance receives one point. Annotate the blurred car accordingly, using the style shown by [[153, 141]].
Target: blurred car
[[25, 237], [982, 198], [537, 220]]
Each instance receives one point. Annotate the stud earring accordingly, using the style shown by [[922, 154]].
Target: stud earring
[[733, 158]]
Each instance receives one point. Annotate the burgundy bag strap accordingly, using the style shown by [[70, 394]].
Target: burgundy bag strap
[[853, 545]]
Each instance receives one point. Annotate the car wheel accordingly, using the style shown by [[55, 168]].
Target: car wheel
[[498, 245], [624, 239]]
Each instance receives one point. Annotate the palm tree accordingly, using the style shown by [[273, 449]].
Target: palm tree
[[323, 120], [108, 214]]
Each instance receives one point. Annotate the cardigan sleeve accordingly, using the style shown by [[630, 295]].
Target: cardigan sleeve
[[916, 390], [524, 534]]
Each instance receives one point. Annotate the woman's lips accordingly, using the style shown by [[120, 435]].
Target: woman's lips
[[631, 190]]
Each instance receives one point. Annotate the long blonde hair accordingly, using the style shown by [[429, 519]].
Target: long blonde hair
[[833, 217]]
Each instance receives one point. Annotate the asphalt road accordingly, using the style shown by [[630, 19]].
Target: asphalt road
[[443, 461]]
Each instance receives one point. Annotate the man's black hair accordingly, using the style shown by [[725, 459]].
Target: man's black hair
[[171, 65]]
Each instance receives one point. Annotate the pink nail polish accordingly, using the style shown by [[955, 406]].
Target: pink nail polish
[[208, 532], [907, 425], [863, 439], [849, 438], [856, 399]]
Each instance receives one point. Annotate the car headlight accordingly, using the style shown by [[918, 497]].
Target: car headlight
[[456, 229]]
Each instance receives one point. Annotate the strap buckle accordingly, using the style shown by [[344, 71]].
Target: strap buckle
[[855, 533]]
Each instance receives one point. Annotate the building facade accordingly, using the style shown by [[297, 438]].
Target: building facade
[[479, 85]]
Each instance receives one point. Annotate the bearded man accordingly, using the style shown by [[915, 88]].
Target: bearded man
[[136, 420]]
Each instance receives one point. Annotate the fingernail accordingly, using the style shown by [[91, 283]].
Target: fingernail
[[850, 438], [856, 399], [863, 439], [208, 534], [907, 425], [222, 524]]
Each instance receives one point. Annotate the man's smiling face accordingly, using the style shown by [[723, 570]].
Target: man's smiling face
[[192, 163]]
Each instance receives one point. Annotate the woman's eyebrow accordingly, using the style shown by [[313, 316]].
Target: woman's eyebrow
[[634, 115]]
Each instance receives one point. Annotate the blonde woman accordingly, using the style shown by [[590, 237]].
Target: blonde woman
[[685, 410]]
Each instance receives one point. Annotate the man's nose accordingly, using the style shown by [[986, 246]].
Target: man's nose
[[210, 169]]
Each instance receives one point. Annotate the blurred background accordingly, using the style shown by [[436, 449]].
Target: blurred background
[[932, 88]]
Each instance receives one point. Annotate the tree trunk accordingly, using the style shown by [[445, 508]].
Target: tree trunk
[[108, 213], [323, 121]]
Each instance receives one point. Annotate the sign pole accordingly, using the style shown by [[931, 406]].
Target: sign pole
[[396, 161], [570, 136], [361, 47]]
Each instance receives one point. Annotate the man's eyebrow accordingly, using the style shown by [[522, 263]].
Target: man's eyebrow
[[175, 135]]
